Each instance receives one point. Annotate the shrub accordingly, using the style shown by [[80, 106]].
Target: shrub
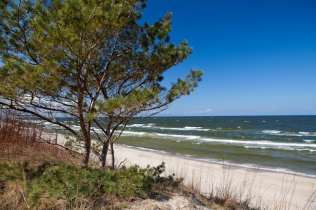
[[67, 182]]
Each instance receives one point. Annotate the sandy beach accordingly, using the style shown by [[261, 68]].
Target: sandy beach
[[265, 189]]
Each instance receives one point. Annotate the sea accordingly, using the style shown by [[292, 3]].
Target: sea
[[284, 144]]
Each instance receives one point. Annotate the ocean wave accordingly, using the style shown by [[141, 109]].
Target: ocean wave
[[262, 143], [259, 144], [196, 128], [148, 149], [50, 125], [97, 130], [287, 133], [308, 150], [178, 136], [186, 128], [309, 141], [227, 129], [255, 147], [248, 143], [145, 149], [75, 127], [280, 148], [133, 133], [150, 125], [141, 125], [34, 121], [271, 131]]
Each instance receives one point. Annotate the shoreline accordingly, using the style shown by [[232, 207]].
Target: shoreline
[[249, 167], [252, 168]]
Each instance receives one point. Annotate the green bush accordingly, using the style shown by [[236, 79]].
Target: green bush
[[49, 183], [67, 182]]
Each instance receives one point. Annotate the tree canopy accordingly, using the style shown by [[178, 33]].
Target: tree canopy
[[87, 59]]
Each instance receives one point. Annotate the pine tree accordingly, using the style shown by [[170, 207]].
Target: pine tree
[[87, 59]]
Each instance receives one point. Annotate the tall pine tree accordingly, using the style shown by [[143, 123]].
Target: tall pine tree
[[87, 59]]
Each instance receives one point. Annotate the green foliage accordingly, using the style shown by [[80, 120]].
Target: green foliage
[[73, 144], [68, 182], [9, 173]]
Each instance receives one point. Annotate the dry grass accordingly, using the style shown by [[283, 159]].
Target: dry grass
[[21, 141], [311, 202], [227, 194]]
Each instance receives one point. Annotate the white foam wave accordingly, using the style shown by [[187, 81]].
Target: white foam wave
[[304, 133], [141, 125], [97, 130], [280, 133], [148, 149], [186, 128], [309, 141], [309, 150], [189, 137], [271, 131], [262, 143], [132, 133], [280, 148], [34, 121], [75, 127], [255, 147], [50, 125], [135, 125]]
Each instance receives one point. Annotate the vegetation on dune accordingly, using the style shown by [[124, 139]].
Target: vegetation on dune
[[68, 186], [54, 180], [23, 141]]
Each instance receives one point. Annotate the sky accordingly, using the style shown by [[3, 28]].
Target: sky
[[258, 57]]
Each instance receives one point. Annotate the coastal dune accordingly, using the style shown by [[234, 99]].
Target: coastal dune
[[265, 189]]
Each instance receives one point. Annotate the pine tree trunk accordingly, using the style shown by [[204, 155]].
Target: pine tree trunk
[[113, 157], [104, 152], [85, 160], [106, 143]]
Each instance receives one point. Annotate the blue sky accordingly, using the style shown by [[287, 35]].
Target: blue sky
[[258, 57]]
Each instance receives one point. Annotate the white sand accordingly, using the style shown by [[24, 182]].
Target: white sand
[[265, 189]]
